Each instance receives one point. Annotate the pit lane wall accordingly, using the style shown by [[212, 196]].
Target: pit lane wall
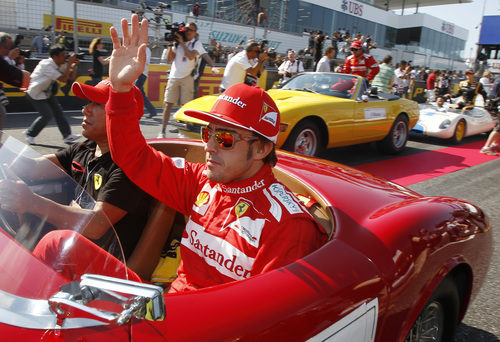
[[154, 87]]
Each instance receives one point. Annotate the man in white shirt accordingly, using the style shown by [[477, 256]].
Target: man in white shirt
[[324, 62], [231, 55], [291, 67], [180, 86], [249, 61], [42, 93], [402, 80]]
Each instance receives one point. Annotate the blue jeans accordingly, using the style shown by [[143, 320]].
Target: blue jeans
[[48, 108], [139, 82]]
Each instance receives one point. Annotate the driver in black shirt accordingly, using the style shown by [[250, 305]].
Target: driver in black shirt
[[118, 200]]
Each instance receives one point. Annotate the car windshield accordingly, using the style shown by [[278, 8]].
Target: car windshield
[[332, 84], [37, 248]]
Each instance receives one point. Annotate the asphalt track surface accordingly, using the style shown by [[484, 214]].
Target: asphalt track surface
[[478, 184]]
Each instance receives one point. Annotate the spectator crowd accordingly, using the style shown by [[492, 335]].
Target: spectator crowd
[[340, 52]]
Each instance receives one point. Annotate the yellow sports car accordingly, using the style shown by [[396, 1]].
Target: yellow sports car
[[324, 110]]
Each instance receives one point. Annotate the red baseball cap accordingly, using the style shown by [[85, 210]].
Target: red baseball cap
[[246, 107], [356, 44], [98, 93]]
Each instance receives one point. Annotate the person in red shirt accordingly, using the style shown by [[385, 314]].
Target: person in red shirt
[[196, 9], [242, 220], [360, 63], [431, 85]]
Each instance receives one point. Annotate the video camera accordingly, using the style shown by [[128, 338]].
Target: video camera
[[80, 55], [263, 46], [17, 41], [174, 28]]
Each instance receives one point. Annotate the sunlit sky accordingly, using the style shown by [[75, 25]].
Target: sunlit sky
[[467, 15]]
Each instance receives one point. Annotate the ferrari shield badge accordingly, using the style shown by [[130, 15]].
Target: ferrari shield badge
[[97, 181], [241, 208]]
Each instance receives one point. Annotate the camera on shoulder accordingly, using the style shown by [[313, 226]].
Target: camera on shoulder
[[263, 47], [174, 28]]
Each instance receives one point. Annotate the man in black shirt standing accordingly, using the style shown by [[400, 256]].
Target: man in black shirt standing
[[118, 200], [318, 47]]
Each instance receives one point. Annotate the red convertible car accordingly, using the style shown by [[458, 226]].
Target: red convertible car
[[398, 267]]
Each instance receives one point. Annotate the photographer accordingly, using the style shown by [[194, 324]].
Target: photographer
[[43, 89], [182, 54], [291, 67], [9, 52], [9, 73], [245, 66]]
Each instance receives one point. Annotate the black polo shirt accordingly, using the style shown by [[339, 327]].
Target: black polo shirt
[[97, 66], [106, 182]]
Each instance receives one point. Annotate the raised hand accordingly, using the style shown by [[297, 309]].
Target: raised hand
[[128, 57]]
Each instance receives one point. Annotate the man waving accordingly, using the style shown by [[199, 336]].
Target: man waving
[[242, 220]]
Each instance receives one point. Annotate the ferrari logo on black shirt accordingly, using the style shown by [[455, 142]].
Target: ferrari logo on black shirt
[[97, 181]]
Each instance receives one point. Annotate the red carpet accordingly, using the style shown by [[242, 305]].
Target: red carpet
[[416, 168]]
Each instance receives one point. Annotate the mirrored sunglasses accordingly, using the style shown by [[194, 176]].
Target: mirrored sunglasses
[[225, 139]]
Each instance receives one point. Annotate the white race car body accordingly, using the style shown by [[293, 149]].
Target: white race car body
[[442, 122]]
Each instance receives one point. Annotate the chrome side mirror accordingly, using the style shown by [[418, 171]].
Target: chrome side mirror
[[145, 301]]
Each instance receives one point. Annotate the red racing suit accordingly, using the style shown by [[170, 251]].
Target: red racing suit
[[235, 230], [361, 65]]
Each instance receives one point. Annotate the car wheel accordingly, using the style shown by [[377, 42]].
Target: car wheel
[[438, 319], [459, 133], [305, 139], [396, 140]]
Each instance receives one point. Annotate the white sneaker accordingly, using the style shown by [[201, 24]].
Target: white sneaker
[[29, 138], [71, 138], [489, 151], [161, 135]]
